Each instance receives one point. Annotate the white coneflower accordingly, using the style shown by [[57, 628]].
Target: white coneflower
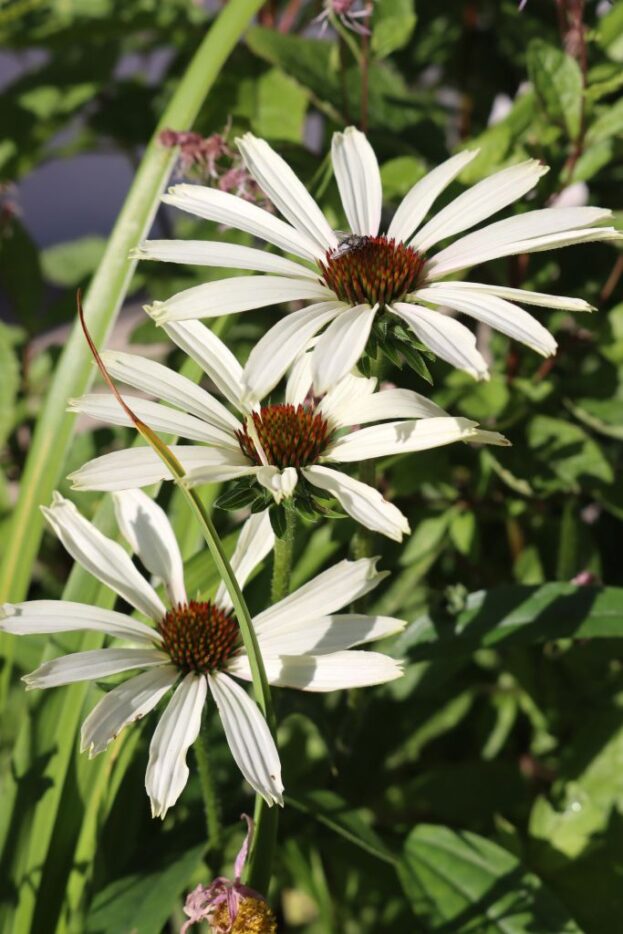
[[289, 448], [194, 646], [367, 279]]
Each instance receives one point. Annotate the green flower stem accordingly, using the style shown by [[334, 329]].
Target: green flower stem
[[211, 801], [282, 559], [74, 373]]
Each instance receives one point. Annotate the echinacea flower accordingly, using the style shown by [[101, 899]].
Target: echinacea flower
[[287, 448], [370, 281], [194, 646], [230, 907]]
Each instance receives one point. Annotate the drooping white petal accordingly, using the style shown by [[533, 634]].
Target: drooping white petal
[[299, 381], [231, 296], [498, 313], [334, 672], [44, 617], [255, 541], [362, 502], [286, 191], [387, 404], [133, 468], [105, 408], [320, 637], [399, 438], [445, 336], [349, 393], [125, 704], [222, 255], [341, 345], [543, 299], [326, 593], [483, 436], [146, 528], [91, 666], [359, 180], [248, 737], [213, 356], [158, 380], [282, 344], [481, 201], [220, 206], [417, 202], [498, 239], [178, 728], [281, 483], [100, 556]]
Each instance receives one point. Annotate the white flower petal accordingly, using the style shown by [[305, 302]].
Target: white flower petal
[[222, 255], [256, 540], [483, 436], [445, 336], [352, 392], [105, 408], [498, 313], [248, 736], [137, 467], [417, 202], [359, 180], [499, 239], [399, 438], [100, 556], [481, 201], [281, 483], [321, 637], [334, 672], [178, 728], [286, 191], [146, 528], [220, 206], [387, 404], [91, 666], [362, 502], [340, 346], [231, 296], [44, 617], [213, 356], [160, 381], [326, 593], [125, 704], [543, 299], [299, 382], [282, 344]]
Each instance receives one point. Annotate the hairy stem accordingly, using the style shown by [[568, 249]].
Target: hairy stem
[[211, 801], [282, 559]]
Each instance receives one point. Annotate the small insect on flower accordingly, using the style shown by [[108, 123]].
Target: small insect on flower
[[348, 243]]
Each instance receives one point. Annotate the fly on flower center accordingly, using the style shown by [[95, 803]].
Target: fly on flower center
[[373, 270], [199, 636], [290, 436]]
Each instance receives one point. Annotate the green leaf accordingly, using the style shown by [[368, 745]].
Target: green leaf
[[392, 25], [20, 273], [331, 810], [610, 33], [557, 79], [9, 383], [463, 531], [400, 174], [281, 107], [236, 498], [458, 881], [70, 264], [570, 458], [143, 902], [609, 123], [516, 615]]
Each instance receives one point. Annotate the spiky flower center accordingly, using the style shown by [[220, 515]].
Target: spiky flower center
[[290, 436], [254, 917], [371, 270], [199, 636]]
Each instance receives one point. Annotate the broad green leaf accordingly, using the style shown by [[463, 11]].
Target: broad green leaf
[[458, 881], [331, 810], [610, 33], [143, 902], [70, 264], [567, 453], [400, 174], [393, 22], [608, 123], [281, 107], [516, 615], [558, 83]]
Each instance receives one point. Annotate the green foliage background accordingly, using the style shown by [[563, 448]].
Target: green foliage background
[[484, 791]]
